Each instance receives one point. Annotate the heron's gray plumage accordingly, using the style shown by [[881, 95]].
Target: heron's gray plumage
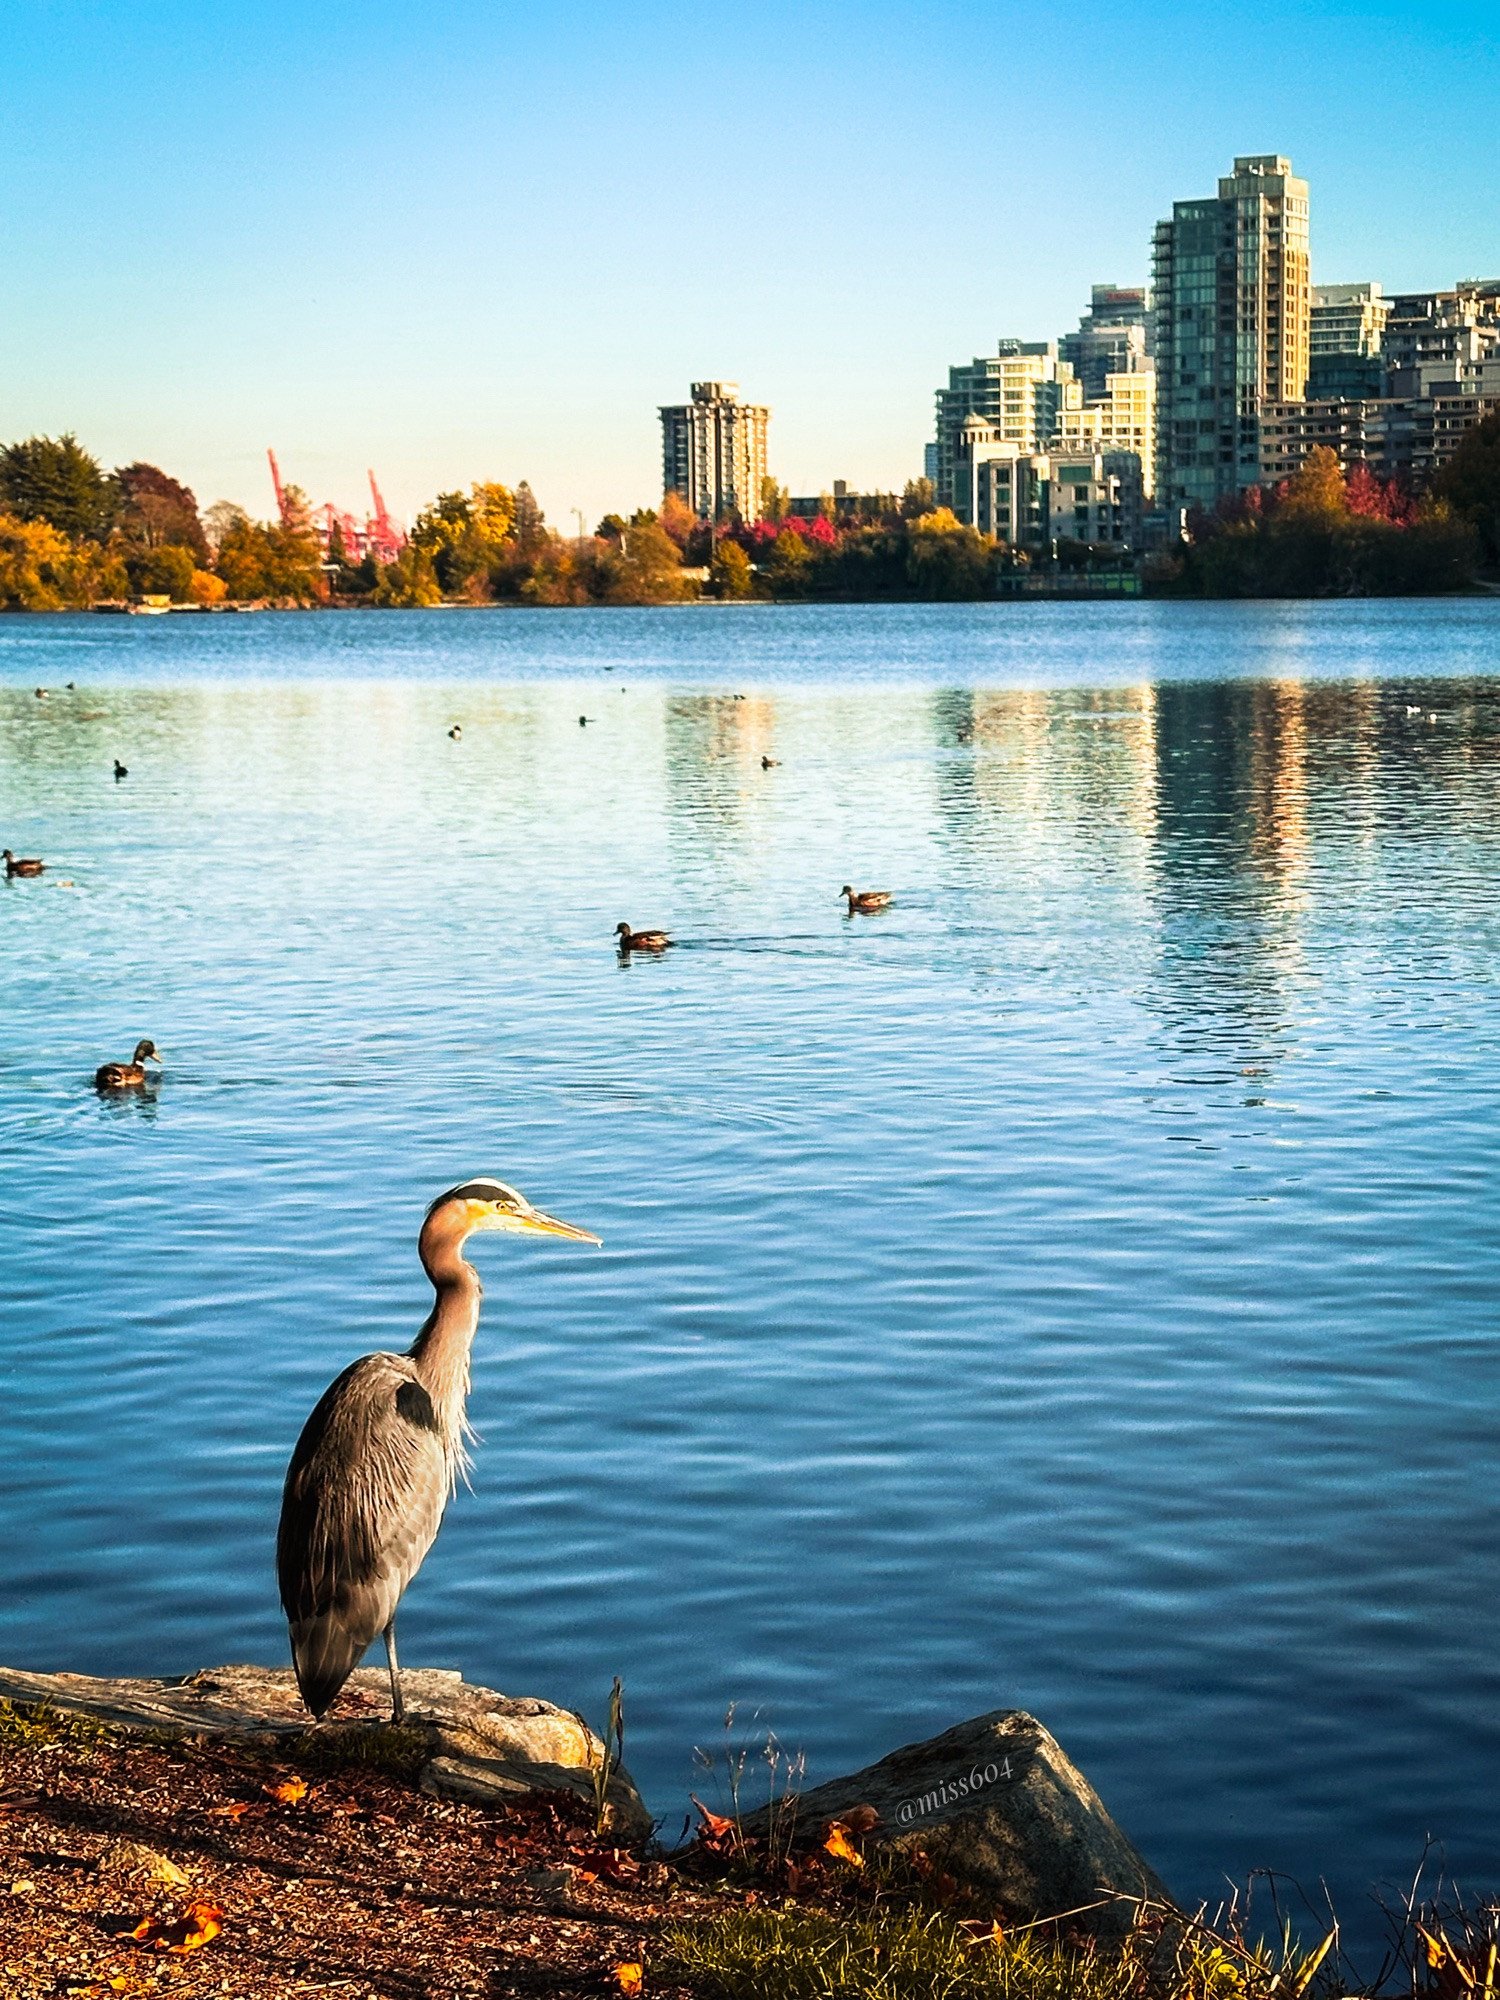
[[365, 1493]]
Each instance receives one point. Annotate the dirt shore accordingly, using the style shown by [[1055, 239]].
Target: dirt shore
[[358, 1885]]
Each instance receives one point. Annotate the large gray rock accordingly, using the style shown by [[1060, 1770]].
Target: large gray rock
[[996, 1804], [480, 1745]]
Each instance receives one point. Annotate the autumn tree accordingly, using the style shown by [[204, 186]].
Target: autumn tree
[[677, 519], [1314, 495], [410, 582], [775, 501], [41, 569], [157, 511], [729, 572], [784, 572], [648, 569], [947, 560], [918, 498], [268, 560]]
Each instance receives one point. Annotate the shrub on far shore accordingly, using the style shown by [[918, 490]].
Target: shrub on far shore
[[1321, 534]]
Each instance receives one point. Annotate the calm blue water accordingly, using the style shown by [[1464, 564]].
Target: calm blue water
[[1075, 1288]]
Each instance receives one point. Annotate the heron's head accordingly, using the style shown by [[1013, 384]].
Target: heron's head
[[484, 1203], [145, 1052]]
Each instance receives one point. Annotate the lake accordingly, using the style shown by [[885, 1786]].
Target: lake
[[1073, 1288]]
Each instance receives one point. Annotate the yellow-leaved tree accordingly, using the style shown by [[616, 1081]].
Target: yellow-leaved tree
[[1315, 492]]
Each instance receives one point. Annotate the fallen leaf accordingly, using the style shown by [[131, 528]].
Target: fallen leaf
[[629, 1975], [609, 1862], [235, 1810], [837, 1844], [199, 1924], [715, 1826], [290, 1792]]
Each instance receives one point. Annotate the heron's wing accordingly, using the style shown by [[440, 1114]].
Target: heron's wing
[[364, 1498]]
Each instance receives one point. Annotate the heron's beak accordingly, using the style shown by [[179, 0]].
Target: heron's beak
[[549, 1225]]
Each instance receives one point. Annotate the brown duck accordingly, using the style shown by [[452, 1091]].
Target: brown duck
[[128, 1075], [865, 901], [641, 940], [22, 865]]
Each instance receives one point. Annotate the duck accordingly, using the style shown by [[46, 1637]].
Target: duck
[[21, 864], [457, 732], [127, 1076], [865, 900], [641, 940], [120, 771], [769, 763]]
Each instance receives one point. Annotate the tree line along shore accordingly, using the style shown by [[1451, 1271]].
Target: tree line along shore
[[76, 537]]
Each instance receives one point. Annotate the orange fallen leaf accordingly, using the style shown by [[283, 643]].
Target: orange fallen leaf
[[715, 1826], [199, 1925], [838, 1845], [629, 1976], [236, 1810], [291, 1791]]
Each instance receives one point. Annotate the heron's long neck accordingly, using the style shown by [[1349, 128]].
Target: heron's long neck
[[441, 1349]]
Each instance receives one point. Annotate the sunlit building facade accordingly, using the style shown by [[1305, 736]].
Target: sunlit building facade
[[1232, 305], [714, 452]]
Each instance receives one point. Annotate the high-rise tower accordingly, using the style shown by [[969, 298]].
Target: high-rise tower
[[1232, 296], [714, 451]]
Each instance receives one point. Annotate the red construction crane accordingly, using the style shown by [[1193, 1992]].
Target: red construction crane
[[379, 535], [276, 482], [385, 537]]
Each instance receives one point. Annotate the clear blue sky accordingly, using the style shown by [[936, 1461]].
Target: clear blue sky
[[485, 241]]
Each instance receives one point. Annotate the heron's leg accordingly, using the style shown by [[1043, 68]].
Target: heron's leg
[[398, 1709]]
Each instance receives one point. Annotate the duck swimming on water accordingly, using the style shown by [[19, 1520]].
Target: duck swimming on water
[[21, 864], [641, 940], [127, 1076], [865, 901], [120, 771]]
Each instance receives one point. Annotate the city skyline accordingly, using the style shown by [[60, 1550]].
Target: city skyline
[[445, 250]]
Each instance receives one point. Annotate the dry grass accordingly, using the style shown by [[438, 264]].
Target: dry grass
[[797, 1953]]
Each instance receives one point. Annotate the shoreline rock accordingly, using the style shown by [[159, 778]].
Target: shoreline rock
[[481, 1746], [997, 1804]]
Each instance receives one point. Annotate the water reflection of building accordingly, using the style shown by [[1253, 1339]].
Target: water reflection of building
[[1231, 858], [714, 746], [1047, 786]]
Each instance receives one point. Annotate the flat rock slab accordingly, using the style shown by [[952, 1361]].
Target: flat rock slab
[[998, 1805], [481, 1745]]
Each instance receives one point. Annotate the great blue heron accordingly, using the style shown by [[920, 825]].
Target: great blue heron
[[127, 1076], [379, 1457], [865, 900]]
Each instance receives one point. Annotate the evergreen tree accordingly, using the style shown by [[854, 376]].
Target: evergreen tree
[[55, 480]]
